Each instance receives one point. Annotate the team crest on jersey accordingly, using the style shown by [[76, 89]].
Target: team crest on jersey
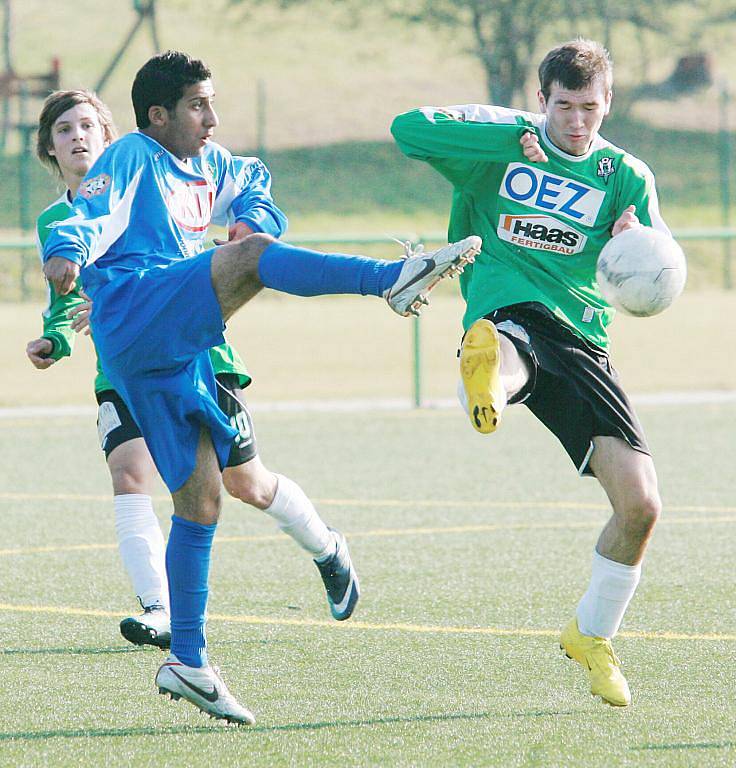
[[453, 114], [606, 168], [95, 186], [190, 204], [540, 233], [550, 193]]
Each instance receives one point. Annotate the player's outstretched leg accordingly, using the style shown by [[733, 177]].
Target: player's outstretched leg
[[241, 268], [152, 627], [203, 687], [595, 654], [480, 370]]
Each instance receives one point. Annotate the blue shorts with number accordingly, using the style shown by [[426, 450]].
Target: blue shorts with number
[[159, 361]]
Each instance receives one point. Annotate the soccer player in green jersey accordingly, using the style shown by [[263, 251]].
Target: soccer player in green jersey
[[74, 128], [546, 192]]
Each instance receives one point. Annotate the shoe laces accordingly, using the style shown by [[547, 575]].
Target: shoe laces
[[411, 250], [155, 608], [606, 644]]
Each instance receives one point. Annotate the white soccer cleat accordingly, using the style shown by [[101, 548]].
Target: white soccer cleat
[[203, 687], [152, 627], [422, 271]]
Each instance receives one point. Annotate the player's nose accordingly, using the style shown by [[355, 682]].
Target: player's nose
[[211, 119]]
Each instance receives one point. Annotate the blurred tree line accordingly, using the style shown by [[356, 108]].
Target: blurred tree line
[[507, 34]]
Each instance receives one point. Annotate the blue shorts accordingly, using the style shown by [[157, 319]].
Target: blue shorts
[[160, 363]]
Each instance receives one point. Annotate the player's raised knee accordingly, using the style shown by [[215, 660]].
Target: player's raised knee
[[252, 246]]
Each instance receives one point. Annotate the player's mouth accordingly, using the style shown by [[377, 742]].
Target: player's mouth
[[79, 151]]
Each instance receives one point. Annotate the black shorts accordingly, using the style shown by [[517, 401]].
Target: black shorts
[[116, 426], [573, 388]]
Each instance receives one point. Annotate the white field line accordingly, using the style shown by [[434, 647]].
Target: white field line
[[353, 625], [688, 397]]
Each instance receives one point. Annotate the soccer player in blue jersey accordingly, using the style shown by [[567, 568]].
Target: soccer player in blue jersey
[[160, 302], [74, 128]]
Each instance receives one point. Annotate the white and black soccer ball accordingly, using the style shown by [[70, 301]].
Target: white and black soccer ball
[[641, 271]]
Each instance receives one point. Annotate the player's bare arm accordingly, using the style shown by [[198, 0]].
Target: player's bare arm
[[532, 149], [61, 273], [627, 220]]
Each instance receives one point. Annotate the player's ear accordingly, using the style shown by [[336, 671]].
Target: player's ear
[[542, 102], [51, 152], [158, 115], [609, 96]]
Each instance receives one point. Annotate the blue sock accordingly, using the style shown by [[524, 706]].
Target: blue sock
[[303, 272], [187, 566]]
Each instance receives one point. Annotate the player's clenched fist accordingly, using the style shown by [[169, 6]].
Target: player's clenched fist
[[532, 150], [38, 352]]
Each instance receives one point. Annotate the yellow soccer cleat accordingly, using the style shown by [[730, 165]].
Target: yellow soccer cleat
[[480, 363], [596, 655]]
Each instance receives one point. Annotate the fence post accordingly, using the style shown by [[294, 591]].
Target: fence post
[[724, 165], [25, 219], [261, 118], [416, 333]]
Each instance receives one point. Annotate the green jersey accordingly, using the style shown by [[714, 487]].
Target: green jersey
[[57, 325], [543, 224]]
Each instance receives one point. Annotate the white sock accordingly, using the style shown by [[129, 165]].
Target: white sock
[[142, 547], [297, 517], [602, 607]]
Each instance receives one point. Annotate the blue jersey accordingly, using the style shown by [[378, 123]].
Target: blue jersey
[[137, 231], [141, 207]]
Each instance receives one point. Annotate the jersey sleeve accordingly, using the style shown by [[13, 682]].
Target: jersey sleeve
[[454, 140], [101, 209], [244, 195], [57, 325], [636, 187]]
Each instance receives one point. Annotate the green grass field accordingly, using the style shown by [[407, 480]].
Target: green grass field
[[472, 553]]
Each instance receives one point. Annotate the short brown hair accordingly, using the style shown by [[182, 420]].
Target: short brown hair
[[576, 65], [55, 106]]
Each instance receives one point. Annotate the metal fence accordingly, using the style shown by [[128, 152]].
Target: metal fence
[[725, 235]]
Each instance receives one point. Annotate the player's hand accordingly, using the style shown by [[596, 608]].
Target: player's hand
[[38, 352], [627, 220], [79, 315], [531, 148], [61, 273], [238, 231]]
